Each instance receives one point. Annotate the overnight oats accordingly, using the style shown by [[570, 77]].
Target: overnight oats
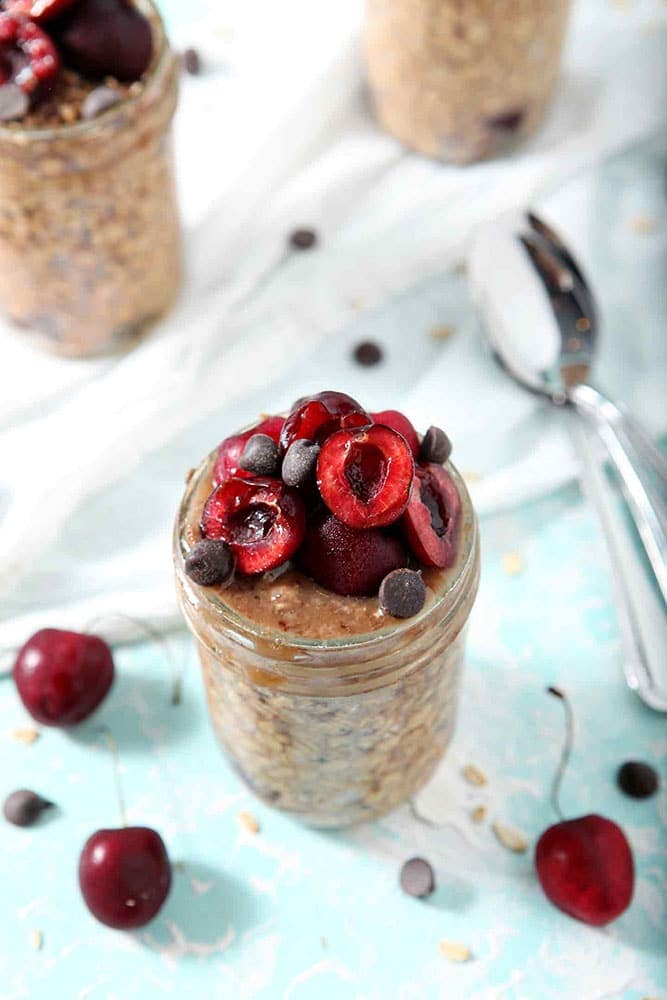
[[327, 564], [463, 81], [90, 245]]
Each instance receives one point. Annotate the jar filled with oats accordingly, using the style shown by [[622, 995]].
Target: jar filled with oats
[[90, 242], [461, 81], [328, 709]]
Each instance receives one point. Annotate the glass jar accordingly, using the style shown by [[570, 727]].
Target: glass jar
[[333, 731], [463, 81], [90, 243]]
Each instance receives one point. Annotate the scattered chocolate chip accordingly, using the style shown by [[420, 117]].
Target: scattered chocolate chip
[[506, 121], [402, 593], [368, 354], [210, 563], [637, 779], [417, 878], [260, 456], [300, 462], [14, 102], [303, 239], [192, 62], [99, 100], [23, 807], [436, 447]]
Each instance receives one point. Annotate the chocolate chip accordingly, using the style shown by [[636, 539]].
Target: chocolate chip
[[402, 593], [192, 62], [23, 807], [14, 102], [99, 100], [210, 563], [260, 456], [506, 121], [436, 447], [368, 354], [300, 462], [303, 239], [637, 779], [417, 878]]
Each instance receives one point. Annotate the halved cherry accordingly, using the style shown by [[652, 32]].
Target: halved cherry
[[39, 10], [349, 562], [399, 422], [231, 449], [365, 475], [262, 520], [28, 57], [316, 417], [106, 38], [432, 517]]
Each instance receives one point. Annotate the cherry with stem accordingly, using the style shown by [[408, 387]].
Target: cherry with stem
[[124, 873], [584, 865]]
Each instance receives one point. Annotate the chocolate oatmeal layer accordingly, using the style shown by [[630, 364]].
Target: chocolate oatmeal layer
[[328, 709], [90, 245], [463, 81]]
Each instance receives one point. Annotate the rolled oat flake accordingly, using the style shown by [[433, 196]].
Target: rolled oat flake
[[14, 102]]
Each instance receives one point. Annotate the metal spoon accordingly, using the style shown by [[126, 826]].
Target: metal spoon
[[542, 322]]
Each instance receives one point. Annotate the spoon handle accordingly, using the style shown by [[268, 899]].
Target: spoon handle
[[646, 506], [642, 615]]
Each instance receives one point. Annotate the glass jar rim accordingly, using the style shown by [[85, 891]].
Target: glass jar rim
[[160, 61], [449, 600]]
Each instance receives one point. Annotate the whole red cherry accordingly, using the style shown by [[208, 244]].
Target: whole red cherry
[[62, 676], [585, 865]]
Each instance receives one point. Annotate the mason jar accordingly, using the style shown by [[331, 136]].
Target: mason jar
[[463, 81], [333, 731], [90, 242]]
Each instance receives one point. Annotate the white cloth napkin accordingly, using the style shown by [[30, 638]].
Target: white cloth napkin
[[93, 453]]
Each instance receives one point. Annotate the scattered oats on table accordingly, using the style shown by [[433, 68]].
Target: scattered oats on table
[[249, 822], [36, 939], [643, 225], [478, 814], [441, 333], [27, 734], [511, 838], [454, 951], [474, 776], [512, 563]]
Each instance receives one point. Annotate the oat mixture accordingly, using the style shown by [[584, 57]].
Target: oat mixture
[[463, 81]]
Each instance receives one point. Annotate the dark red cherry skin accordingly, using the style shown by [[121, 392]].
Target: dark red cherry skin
[[399, 422], [232, 448], [349, 562], [105, 38], [125, 876], [262, 520], [431, 519], [39, 10], [62, 677], [28, 56], [365, 476], [317, 417], [586, 869]]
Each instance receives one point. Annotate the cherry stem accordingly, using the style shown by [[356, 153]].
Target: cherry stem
[[113, 747], [159, 640], [566, 752]]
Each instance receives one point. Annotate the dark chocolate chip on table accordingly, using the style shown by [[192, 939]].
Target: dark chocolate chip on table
[[192, 62], [14, 102], [260, 456], [435, 447], [210, 563], [99, 100], [402, 593], [637, 779], [23, 807], [368, 353], [303, 239], [417, 878], [300, 462]]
